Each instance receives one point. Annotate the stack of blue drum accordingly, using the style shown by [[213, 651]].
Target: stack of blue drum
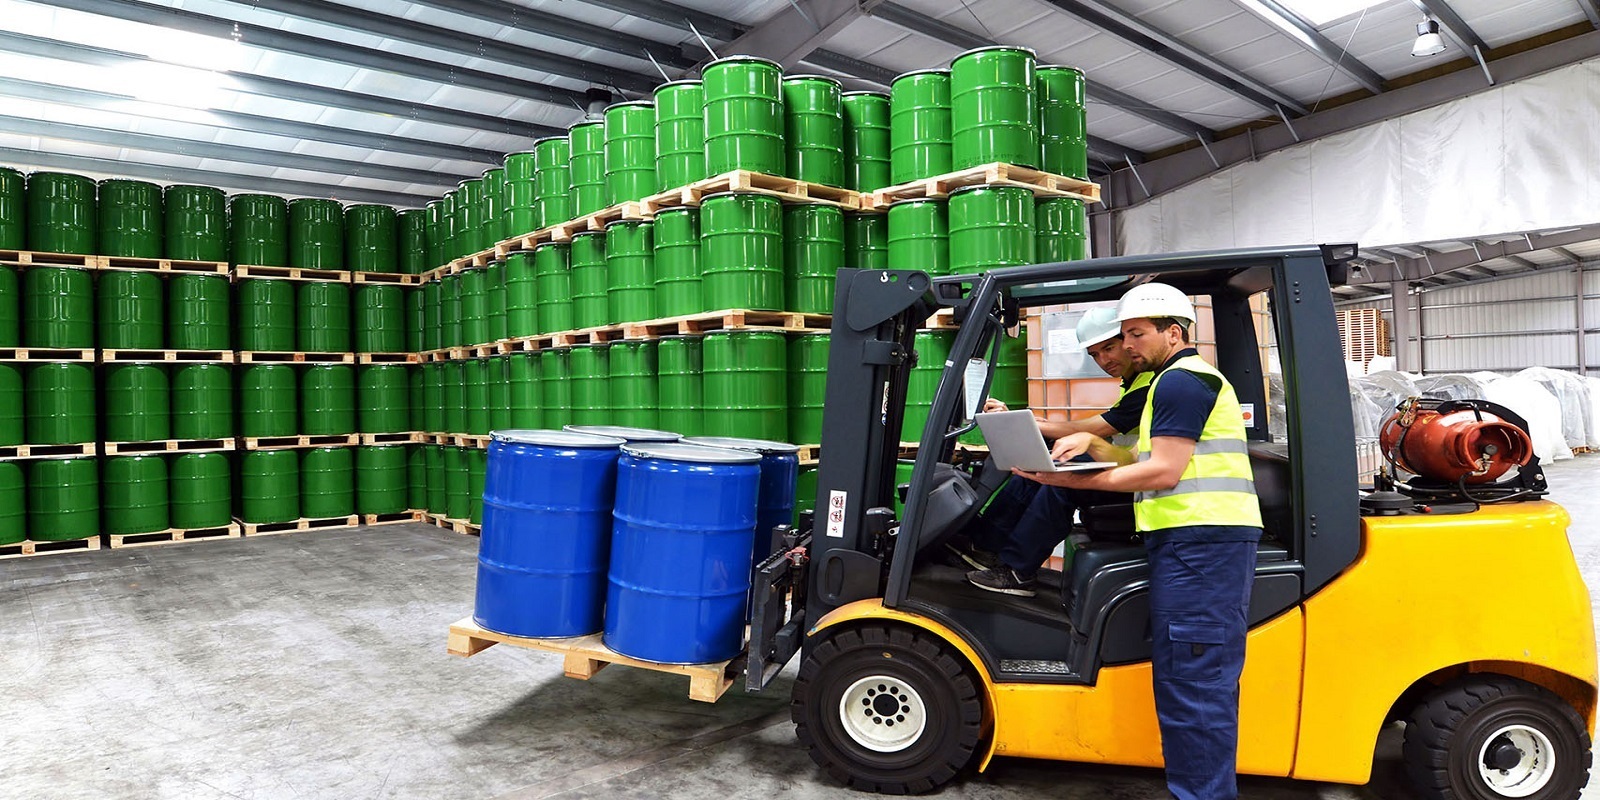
[[630, 532]]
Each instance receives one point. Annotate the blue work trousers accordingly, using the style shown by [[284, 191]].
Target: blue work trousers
[[1026, 521], [1199, 601]]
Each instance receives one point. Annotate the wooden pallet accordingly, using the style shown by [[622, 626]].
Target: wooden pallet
[[168, 446], [302, 524], [276, 357], [730, 319], [442, 439], [388, 358], [397, 518], [943, 319], [597, 220], [174, 266], [1042, 184], [46, 354], [788, 190], [48, 450], [29, 547], [525, 241], [171, 535], [586, 655], [469, 440], [811, 454], [407, 437], [387, 278], [168, 356], [601, 335], [461, 526], [527, 344], [488, 350], [35, 258], [243, 271], [301, 441]]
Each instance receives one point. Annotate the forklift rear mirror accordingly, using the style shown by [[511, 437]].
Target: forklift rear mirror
[[973, 379]]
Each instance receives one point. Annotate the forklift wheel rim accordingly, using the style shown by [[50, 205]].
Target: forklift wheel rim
[[1534, 769], [883, 713]]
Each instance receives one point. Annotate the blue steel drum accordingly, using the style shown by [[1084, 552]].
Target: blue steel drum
[[680, 571], [546, 533], [780, 471], [630, 435]]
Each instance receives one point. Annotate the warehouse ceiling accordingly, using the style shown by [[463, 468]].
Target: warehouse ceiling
[[375, 100]]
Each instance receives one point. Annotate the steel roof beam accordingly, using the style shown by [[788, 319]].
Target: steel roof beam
[[797, 30], [1437, 263], [1308, 37], [546, 24], [1591, 11], [1107, 150], [663, 13]]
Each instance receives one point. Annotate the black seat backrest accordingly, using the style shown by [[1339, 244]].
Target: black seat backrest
[[1270, 465]]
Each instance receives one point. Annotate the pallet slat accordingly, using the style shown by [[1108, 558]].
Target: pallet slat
[[168, 446], [1042, 184], [300, 441], [295, 526], [174, 535], [245, 271], [46, 354], [36, 258], [174, 266], [28, 547], [48, 450], [168, 356], [396, 518], [284, 357]]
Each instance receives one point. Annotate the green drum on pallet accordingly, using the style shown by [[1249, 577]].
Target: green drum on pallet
[[813, 123], [416, 394], [586, 143], [370, 237], [808, 381], [522, 295], [522, 375], [60, 213], [131, 310], [138, 403], [933, 349], [741, 252], [201, 486], [316, 234], [805, 492], [129, 219], [202, 402], [269, 486], [445, 239], [475, 388], [57, 307], [866, 241], [590, 304], [499, 393], [327, 482], [268, 401], [813, 252], [380, 319], [63, 499], [432, 309], [13, 214], [477, 471], [630, 151], [471, 222], [197, 312], [432, 410], [266, 315], [919, 236], [258, 230], [10, 307], [743, 115], [919, 125], [521, 217], [555, 388], [1063, 126], [457, 501], [678, 369], [553, 303], [133, 494], [591, 395], [866, 140], [632, 384], [454, 381], [11, 405], [680, 134], [328, 400], [412, 317], [450, 331], [384, 394], [552, 183], [433, 456], [381, 481], [416, 477], [991, 227], [497, 301], [13, 502], [197, 223], [60, 404], [630, 271], [322, 317], [412, 240], [1062, 230], [745, 385], [494, 208], [677, 262], [474, 306], [1010, 382], [993, 108]]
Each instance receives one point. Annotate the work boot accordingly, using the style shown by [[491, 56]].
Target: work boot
[[1003, 580], [971, 558]]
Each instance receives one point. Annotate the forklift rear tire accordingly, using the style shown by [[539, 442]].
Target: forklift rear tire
[[887, 709], [1491, 737]]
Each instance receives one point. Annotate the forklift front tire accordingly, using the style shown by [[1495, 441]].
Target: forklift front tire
[[887, 709]]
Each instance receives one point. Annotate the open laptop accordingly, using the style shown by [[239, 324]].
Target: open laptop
[[1015, 441]]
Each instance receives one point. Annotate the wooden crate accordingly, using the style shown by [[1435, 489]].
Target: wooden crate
[[1364, 333]]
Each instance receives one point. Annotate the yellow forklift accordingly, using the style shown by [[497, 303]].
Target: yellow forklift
[[1457, 608]]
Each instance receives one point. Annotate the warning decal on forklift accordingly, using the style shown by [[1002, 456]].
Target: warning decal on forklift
[[836, 504]]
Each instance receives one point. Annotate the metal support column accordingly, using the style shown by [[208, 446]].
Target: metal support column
[[1405, 326], [1582, 332]]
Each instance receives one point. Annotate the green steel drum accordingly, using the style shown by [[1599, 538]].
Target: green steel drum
[[591, 396], [678, 379], [412, 301], [316, 234], [258, 230], [457, 502], [813, 251], [129, 219], [432, 309], [745, 384], [370, 237], [434, 458], [322, 317], [866, 241], [454, 382], [919, 236], [411, 241], [449, 220], [866, 140], [1062, 225], [933, 349], [13, 502], [522, 295], [520, 167], [63, 499], [471, 223], [813, 129], [680, 133], [384, 395], [138, 403], [328, 400], [743, 115], [993, 109], [10, 307], [381, 480], [268, 401], [919, 125], [555, 388], [416, 395], [805, 492], [630, 151], [60, 213], [416, 478], [57, 307], [197, 223], [131, 310], [590, 304], [197, 312], [553, 295], [497, 300], [475, 388], [677, 262], [552, 183], [499, 393], [630, 271], [521, 195], [587, 167], [432, 408], [380, 318], [1063, 126], [450, 331], [266, 315], [808, 381], [1010, 382], [60, 404], [474, 306], [201, 486], [269, 486], [632, 384], [494, 208], [133, 494], [11, 405], [13, 214], [477, 472], [327, 482], [522, 375], [741, 252], [991, 227], [202, 402]]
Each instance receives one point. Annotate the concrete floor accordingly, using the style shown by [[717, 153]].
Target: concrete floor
[[313, 666]]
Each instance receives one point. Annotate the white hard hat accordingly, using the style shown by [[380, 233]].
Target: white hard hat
[[1154, 301], [1098, 325]]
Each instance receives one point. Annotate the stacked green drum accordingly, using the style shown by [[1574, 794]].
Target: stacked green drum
[[590, 304], [198, 309], [680, 134], [678, 385], [494, 208], [499, 393], [432, 311], [327, 482], [993, 107], [555, 288], [1010, 382], [477, 471], [138, 403], [412, 315], [434, 459], [266, 315], [370, 237], [381, 480], [379, 319], [322, 317], [1062, 230], [555, 388], [10, 307], [866, 241], [450, 330], [258, 230], [269, 486], [316, 234], [522, 295], [552, 181], [197, 223], [202, 402], [808, 382], [1063, 125], [630, 151], [57, 307], [416, 478], [813, 252], [496, 295], [458, 503], [591, 397], [991, 227], [933, 349], [741, 252], [12, 426], [630, 271], [866, 140], [919, 236], [814, 129], [129, 219], [13, 214], [745, 382], [475, 397], [60, 403], [63, 499], [268, 401], [631, 384], [677, 262], [522, 373], [201, 488], [131, 310], [412, 241], [328, 400], [61, 213], [474, 306], [744, 115], [471, 225], [432, 411], [521, 192], [384, 397], [133, 494], [587, 144], [919, 125], [454, 381]]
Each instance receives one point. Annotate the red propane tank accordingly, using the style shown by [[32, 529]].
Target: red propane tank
[[1453, 441]]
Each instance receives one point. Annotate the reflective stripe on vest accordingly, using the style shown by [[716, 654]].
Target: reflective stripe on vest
[[1129, 439], [1217, 486]]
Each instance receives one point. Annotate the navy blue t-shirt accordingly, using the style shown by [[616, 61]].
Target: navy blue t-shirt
[[1124, 416], [1180, 406]]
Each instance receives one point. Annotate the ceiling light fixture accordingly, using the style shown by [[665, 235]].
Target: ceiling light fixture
[[1429, 42]]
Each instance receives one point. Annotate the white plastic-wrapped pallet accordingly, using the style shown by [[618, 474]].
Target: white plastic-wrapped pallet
[[1572, 393], [1540, 408]]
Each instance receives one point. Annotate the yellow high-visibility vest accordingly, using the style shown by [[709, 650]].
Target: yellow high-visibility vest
[[1217, 486]]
